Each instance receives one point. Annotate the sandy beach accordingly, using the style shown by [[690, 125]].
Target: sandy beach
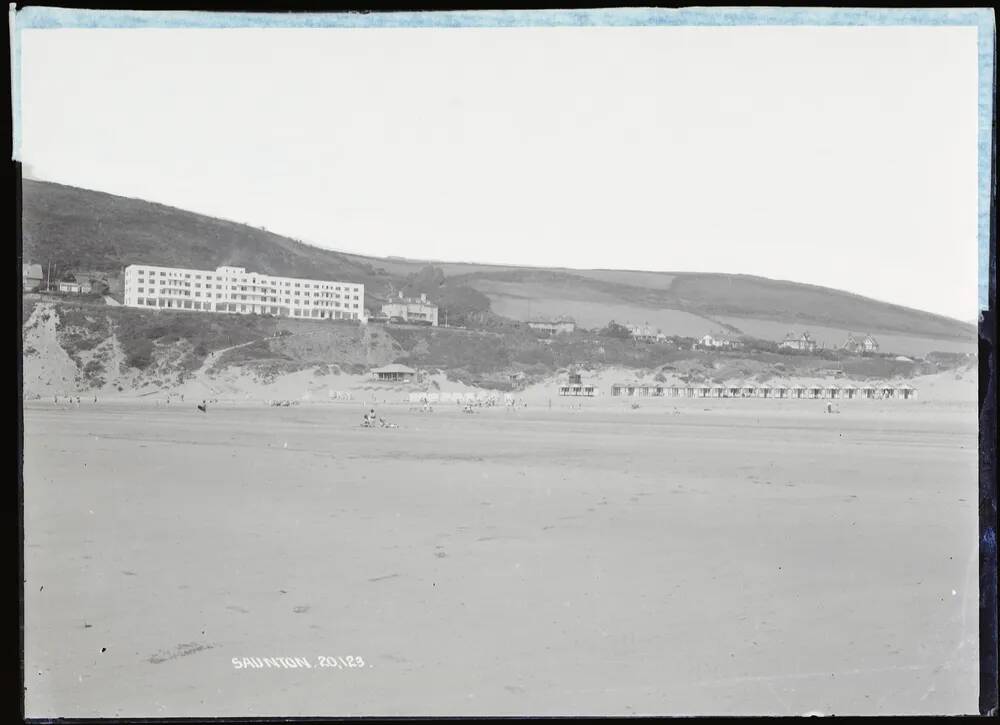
[[688, 557]]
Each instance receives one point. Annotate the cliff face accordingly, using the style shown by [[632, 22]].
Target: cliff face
[[74, 347]]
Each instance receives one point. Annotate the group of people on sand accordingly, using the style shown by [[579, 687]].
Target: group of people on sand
[[75, 401], [373, 421]]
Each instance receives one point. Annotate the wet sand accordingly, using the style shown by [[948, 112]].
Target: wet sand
[[758, 557]]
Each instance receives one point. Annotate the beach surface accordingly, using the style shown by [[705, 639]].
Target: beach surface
[[729, 557]]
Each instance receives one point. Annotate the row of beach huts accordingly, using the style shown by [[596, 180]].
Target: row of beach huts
[[868, 391]]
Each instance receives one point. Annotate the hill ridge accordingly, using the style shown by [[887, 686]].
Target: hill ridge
[[93, 230]]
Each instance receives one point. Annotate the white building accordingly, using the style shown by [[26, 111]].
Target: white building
[[418, 311], [558, 326], [234, 290]]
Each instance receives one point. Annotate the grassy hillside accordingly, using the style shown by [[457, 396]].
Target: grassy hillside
[[76, 228], [81, 229]]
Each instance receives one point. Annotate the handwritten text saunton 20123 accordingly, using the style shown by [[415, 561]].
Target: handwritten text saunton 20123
[[349, 662]]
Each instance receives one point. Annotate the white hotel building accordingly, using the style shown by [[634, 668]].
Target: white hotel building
[[234, 290]]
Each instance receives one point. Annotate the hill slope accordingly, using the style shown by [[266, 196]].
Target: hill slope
[[81, 229]]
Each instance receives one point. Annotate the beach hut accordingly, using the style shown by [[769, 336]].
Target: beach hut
[[718, 391], [906, 392], [849, 392], [393, 373], [747, 390], [814, 392], [779, 391], [763, 391], [733, 391], [868, 392], [832, 392]]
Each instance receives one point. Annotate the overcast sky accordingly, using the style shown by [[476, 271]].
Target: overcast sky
[[845, 157]]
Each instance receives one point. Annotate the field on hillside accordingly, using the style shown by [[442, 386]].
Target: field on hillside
[[590, 309], [738, 557]]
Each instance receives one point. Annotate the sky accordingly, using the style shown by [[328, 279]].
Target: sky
[[837, 156]]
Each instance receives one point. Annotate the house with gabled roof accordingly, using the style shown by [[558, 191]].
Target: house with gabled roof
[[798, 342]]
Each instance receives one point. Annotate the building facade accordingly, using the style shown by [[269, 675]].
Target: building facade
[[800, 342], [31, 276], [553, 327], [394, 373], [419, 311], [645, 333], [234, 290], [73, 287], [865, 344]]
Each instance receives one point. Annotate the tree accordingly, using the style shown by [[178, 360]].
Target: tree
[[613, 329]]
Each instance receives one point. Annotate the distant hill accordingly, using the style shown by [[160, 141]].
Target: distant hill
[[81, 229], [78, 228]]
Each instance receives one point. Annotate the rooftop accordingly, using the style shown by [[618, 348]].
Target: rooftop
[[394, 368]]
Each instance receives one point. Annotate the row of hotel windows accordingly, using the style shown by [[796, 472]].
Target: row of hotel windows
[[244, 289], [259, 297], [229, 307], [220, 278]]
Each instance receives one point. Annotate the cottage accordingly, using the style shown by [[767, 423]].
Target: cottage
[[31, 277], [558, 326], [72, 287], [643, 333], [720, 341], [867, 344], [802, 342], [394, 373]]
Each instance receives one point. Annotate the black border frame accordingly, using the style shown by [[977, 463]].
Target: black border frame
[[989, 365]]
